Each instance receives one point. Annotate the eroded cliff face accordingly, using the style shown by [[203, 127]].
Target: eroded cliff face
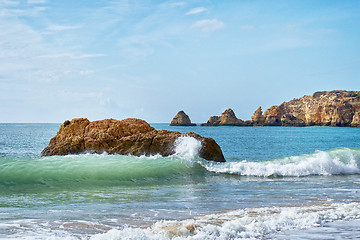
[[335, 108], [129, 136]]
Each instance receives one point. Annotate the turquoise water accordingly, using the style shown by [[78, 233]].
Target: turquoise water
[[277, 183]]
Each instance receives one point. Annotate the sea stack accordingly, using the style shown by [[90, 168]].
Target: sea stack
[[181, 119], [129, 136], [258, 118], [227, 118]]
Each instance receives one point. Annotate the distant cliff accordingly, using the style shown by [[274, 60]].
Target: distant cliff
[[334, 108]]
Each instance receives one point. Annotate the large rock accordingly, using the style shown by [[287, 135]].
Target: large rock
[[181, 119], [128, 136], [227, 118], [335, 108]]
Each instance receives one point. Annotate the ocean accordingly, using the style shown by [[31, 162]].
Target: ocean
[[277, 183]]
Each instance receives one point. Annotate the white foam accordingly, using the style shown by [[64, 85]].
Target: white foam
[[253, 223], [187, 148], [338, 161]]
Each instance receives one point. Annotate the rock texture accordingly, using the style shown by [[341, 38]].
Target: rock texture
[[334, 108], [258, 118], [181, 119], [128, 136], [227, 118]]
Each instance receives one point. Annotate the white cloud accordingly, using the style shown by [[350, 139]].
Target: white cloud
[[71, 55], [208, 25], [21, 47], [196, 11], [16, 12], [36, 1], [56, 28], [9, 3], [176, 4]]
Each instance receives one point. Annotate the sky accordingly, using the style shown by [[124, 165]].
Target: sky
[[150, 59]]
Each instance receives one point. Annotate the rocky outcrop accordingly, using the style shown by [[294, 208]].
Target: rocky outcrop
[[356, 120], [334, 108], [227, 118], [181, 119], [128, 136], [258, 118]]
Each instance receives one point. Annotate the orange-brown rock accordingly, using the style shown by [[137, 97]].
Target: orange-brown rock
[[334, 108], [356, 120], [227, 118], [258, 118], [181, 119], [128, 136]]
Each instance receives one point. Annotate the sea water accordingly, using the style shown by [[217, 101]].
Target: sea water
[[277, 183]]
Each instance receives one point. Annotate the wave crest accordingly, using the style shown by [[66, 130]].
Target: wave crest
[[334, 162]]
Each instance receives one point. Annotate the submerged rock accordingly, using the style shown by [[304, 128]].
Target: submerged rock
[[129, 136], [227, 118], [181, 119]]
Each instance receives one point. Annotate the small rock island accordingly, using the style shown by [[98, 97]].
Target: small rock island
[[227, 118], [181, 119], [129, 136]]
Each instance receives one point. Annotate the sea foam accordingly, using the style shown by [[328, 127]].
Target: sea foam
[[254, 223], [337, 161], [187, 148]]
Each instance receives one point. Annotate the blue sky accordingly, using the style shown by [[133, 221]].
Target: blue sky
[[149, 59]]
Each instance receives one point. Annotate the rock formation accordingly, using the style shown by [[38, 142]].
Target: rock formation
[[258, 118], [227, 118], [181, 119], [356, 120], [128, 136], [335, 108]]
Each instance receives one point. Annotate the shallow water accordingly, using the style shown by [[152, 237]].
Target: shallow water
[[278, 183]]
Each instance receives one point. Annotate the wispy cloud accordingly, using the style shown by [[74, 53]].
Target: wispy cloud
[[9, 3], [56, 28], [16, 12], [22, 45], [36, 1], [196, 11], [71, 55], [208, 25], [176, 4]]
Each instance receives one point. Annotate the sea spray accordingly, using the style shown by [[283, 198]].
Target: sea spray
[[334, 162], [254, 223], [187, 148]]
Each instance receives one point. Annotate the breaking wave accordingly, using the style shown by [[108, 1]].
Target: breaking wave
[[255, 223], [104, 169], [338, 161], [101, 169]]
